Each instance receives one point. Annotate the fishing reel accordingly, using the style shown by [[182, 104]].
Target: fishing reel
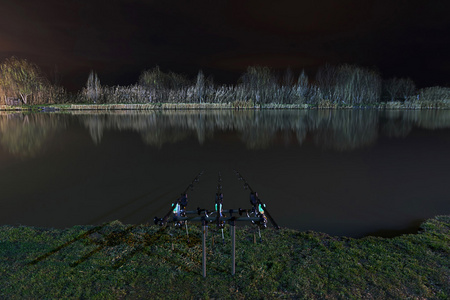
[[179, 212], [219, 211], [178, 224], [258, 211], [262, 223], [159, 221], [221, 224], [202, 211]]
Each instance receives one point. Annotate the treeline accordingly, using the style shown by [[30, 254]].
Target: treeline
[[333, 86]]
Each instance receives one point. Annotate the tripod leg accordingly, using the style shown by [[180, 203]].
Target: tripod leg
[[259, 231], [187, 232], [223, 238]]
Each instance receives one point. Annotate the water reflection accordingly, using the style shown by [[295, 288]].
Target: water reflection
[[25, 135], [68, 162], [340, 130]]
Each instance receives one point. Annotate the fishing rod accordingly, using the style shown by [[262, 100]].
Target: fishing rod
[[258, 206], [219, 203], [219, 206], [257, 215], [178, 207]]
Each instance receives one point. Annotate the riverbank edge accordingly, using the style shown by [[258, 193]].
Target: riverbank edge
[[116, 260], [407, 105]]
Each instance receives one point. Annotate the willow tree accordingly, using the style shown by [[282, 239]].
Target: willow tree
[[21, 79]]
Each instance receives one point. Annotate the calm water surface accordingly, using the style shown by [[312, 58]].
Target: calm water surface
[[346, 172]]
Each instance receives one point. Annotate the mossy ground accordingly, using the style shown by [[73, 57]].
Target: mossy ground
[[141, 261]]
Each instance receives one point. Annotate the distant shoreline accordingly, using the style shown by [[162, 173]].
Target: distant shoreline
[[218, 106], [342, 86]]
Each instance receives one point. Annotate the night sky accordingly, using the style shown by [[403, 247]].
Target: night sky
[[119, 39]]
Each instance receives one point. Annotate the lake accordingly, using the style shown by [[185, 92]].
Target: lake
[[342, 172]]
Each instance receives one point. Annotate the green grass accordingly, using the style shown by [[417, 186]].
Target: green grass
[[140, 261], [407, 105]]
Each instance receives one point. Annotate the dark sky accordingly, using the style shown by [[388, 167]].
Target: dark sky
[[119, 39]]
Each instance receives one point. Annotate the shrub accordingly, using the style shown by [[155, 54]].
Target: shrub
[[436, 93]]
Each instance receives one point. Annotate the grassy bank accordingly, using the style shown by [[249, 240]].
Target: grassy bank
[[407, 105], [116, 260]]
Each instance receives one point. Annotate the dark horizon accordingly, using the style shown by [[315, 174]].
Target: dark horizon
[[120, 39]]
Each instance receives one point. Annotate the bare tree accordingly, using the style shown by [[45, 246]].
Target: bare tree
[[347, 84], [200, 87], [286, 91], [93, 90], [408, 88], [260, 84], [168, 87], [288, 78], [302, 87], [326, 78], [398, 88]]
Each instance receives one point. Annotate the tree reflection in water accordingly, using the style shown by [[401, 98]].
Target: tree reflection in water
[[340, 130], [55, 165], [25, 135]]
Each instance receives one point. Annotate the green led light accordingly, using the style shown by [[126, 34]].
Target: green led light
[[261, 210]]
